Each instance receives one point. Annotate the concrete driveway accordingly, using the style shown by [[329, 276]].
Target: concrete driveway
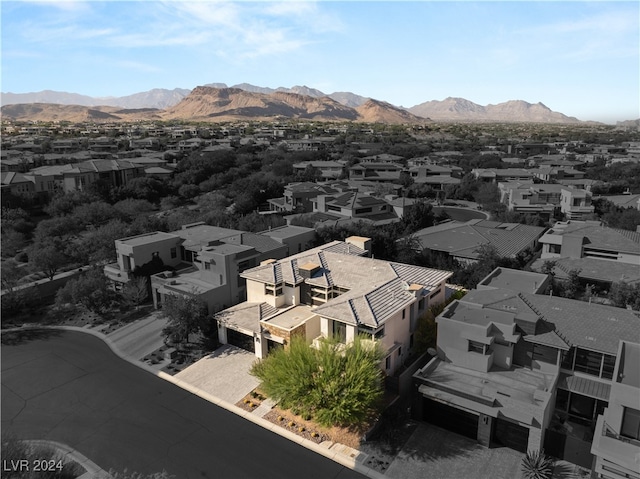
[[224, 373], [434, 453]]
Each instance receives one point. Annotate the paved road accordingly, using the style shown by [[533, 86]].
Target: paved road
[[69, 387]]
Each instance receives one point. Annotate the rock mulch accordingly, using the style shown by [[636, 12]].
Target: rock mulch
[[303, 428]]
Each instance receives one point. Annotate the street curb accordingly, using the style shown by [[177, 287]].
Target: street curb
[[259, 421], [93, 471]]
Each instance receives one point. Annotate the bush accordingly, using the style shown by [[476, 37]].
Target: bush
[[338, 384], [537, 465]]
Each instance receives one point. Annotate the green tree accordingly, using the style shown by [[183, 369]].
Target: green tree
[[90, 291], [186, 314], [48, 259], [338, 384], [625, 295], [136, 291]]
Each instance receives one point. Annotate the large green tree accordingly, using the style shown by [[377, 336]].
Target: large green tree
[[337, 384], [187, 315]]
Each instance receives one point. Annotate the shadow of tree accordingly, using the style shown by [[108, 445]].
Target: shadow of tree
[[14, 338]]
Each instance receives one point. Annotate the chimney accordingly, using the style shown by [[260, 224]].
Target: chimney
[[361, 242], [307, 270]]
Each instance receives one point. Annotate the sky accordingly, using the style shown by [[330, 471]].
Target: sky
[[578, 58]]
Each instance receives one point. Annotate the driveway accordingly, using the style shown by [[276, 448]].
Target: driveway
[[224, 373], [434, 453], [140, 337]]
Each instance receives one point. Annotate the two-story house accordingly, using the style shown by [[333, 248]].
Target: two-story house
[[601, 255], [523, 369], [616, 440], [334, 290], [463, 240], [198, 260]]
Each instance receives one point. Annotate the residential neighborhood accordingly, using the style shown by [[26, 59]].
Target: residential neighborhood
[[494, 284]]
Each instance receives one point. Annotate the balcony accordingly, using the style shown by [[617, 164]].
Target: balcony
[[610, 445], [114, 273]]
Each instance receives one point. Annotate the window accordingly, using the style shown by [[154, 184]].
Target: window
[[273, 289], [174, 252], [399, 352], [421, 304], [567, 359], [387, 362], [404, 313], [207, 266], [594, 363], [555, 248], [630, 423], [476, 347], [588, 362], [340, 331], [608, 365]]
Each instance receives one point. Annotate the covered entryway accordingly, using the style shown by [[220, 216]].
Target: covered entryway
[[240, 340], [451, 418], [510, 434]]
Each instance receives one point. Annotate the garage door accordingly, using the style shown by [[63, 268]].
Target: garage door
[[451, 418], [236, 338], [512, 435]]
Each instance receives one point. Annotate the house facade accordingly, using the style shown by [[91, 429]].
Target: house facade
[[197, 260], [334, 290], [616, 440], [522, 369]]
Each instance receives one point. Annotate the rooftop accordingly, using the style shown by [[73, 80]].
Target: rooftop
[[291, 318], [147, 238], [588, 325], [515, 280], [517, 393]]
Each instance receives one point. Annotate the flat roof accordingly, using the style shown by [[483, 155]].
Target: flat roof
[[291, 318], [147, 238], [514, 279], [288, 231], [517, 393]]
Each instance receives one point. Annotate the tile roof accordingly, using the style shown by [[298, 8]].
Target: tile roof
[[592, 326], [463, 239], [601, 237], [593, 269], [584, 386], [377, 289]]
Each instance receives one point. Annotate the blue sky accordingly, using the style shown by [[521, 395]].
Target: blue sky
[[579, 58]]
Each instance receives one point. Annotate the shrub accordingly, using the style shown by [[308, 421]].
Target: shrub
[[537, 465], [338, 384]]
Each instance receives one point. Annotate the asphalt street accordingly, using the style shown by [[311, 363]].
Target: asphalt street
[[69, 387]]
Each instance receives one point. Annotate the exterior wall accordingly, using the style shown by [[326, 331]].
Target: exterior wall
[[143, 253], [502, 355], [292, 295], [452, 347], [312, 328]]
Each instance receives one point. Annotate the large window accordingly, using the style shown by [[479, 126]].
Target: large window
[[340, 331], [273, 289], [630, 423], [594, 363], [476, 347]]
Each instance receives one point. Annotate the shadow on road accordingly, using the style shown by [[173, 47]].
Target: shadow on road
[[13, 338]]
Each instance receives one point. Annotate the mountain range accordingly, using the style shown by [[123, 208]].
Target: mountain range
[[217, 102]]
